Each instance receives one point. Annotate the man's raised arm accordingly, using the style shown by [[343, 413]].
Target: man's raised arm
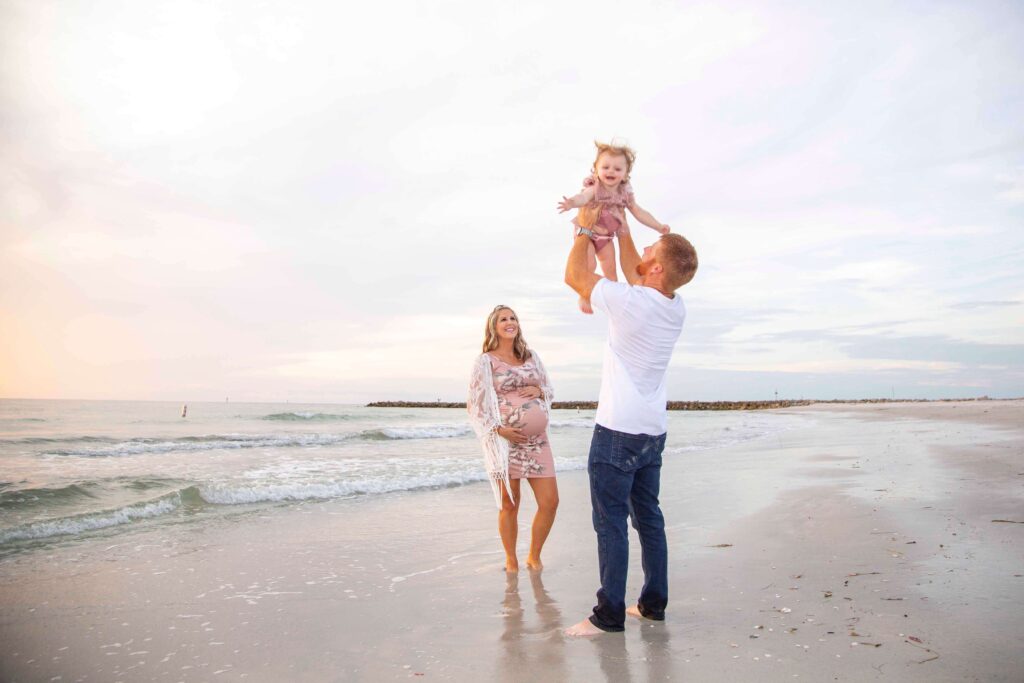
[[577, 275], [629, 259]]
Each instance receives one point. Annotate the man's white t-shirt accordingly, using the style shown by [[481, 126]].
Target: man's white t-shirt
[[643, 326]]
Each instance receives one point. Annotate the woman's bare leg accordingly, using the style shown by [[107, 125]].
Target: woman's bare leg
[[508, 525], [546, 493]]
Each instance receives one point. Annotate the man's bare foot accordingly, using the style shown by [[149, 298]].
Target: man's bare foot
[[585, 306], [634, 611], [584, 629], [534, 565]]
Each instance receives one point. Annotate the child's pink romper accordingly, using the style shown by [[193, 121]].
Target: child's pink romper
[[606, 210]]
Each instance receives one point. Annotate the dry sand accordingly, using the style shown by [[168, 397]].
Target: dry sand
[[861, 547]]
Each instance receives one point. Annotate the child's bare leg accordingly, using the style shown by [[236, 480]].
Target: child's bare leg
[[606, 257], [592, 265]]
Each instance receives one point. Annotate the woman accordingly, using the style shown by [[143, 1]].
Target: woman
[[509, 401]]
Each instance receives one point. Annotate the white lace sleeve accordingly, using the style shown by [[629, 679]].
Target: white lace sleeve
[[485, 416], [545, 384]]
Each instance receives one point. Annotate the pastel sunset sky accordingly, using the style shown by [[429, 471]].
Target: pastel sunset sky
[[322, 201]]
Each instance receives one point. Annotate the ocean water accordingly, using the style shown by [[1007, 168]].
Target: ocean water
[[74, 469]]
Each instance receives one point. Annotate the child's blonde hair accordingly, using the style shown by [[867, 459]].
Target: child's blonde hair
[[617, 150]]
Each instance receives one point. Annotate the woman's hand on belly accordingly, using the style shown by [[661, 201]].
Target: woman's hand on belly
[[512, 434], [530, 392]]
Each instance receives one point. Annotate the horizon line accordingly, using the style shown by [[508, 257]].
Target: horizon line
[[592, 400]]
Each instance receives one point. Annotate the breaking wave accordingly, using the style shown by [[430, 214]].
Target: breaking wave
[[233, 441], [301, 416], [78, 524]]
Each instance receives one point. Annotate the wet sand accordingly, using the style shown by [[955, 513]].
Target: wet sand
[[859, 547]]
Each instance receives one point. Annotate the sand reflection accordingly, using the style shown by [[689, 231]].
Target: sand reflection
[[655, 638], [614, 657], [532, 638]]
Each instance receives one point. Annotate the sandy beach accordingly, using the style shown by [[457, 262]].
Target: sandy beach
[[877, 542]]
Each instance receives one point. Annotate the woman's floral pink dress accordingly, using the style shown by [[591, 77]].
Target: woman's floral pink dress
[[533, 459]]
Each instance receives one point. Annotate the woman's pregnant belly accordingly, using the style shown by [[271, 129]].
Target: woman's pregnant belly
[[527, 414]]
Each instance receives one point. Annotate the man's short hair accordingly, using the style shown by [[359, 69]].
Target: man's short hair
[[679, 259]]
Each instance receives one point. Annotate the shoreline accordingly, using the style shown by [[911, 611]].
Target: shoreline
[[862, 544]]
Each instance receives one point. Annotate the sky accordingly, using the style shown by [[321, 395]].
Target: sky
[[322, 201]]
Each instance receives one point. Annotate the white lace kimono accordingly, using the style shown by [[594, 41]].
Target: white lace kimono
[[485, 416]]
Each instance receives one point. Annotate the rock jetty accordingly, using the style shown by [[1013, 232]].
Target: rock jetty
[[685, 405], [592, 405]]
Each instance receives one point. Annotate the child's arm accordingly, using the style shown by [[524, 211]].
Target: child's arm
[[576, 201], [645, 217]]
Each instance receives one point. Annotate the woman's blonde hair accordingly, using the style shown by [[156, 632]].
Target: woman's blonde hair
[[519, 347], [617, 150]]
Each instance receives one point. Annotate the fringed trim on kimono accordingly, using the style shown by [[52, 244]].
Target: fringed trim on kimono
[[485, 417]]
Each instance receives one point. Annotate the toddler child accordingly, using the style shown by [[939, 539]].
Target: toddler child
[[606, 192]]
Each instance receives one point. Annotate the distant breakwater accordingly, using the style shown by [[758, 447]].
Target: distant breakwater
[[687, 405], [592, 405]]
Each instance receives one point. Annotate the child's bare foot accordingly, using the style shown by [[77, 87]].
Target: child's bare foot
[[584, 629], [585, 307]]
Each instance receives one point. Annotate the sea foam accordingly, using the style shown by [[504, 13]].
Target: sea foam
[[212, 442], [306, 416], [427, 432], [92, 521], [240, 494]]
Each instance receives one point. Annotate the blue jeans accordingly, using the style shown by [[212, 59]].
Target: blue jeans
[[625, 477]]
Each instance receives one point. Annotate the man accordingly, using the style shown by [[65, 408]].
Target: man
[[645, 318]]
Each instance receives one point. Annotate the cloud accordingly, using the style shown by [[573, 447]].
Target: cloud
[[1013, 186], [937, 348], [314, 199], [868, 344], [725, 385], [971, 305]]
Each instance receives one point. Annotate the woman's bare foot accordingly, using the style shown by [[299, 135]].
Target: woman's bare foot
[[583, 629], [634, 611], [585, 307], [534, 564], [511, 564]]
